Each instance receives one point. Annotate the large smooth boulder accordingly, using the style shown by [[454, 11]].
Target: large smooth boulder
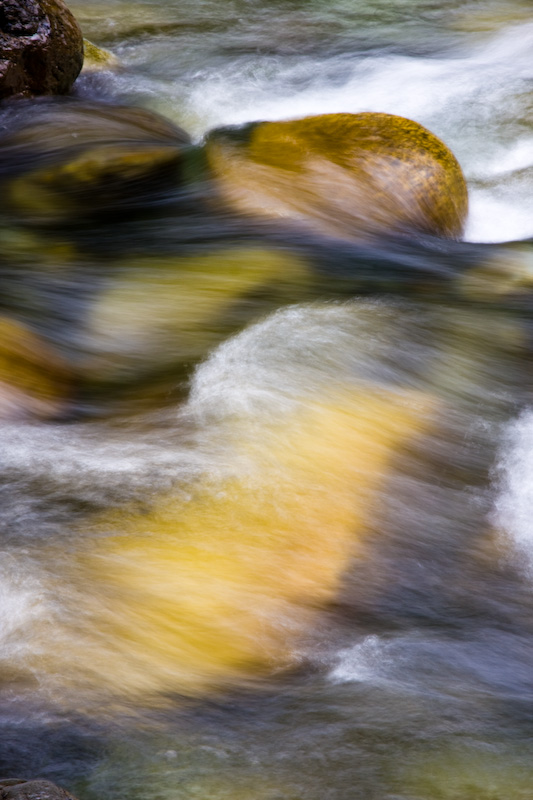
[[220, 580], [41, 48], [354, 175]]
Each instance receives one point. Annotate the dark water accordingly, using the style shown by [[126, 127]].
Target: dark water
[[266, 493]]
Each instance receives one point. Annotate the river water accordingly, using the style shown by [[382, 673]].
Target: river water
[[286, 552]]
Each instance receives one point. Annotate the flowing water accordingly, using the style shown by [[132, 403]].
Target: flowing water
[[276, 541]]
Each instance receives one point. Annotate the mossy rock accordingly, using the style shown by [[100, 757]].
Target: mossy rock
[[66, 161], [97, 59], [41, 48], [354, 175]]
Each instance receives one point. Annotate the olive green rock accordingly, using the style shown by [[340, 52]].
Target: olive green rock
[[469, 770], [41, 48], [73, 159], [354, 175], [97, 59]]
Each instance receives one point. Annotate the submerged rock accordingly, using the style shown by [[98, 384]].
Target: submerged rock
[[218, 580], [41, 48], [345, 174], [20, 789], [160, 314], [472, 769], [34, 380], [67, 160]]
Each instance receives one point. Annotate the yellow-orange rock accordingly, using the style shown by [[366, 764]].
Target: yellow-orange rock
[[98, 59], [222, 584], [354, 175], [34, 380]]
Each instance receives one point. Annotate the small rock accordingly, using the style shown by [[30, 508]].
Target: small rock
[[96, 59], [41, 48], [19, 789]]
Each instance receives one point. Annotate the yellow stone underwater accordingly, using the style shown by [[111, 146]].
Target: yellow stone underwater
[[199, 593]]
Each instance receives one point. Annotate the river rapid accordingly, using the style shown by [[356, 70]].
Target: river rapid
[[284, 552]]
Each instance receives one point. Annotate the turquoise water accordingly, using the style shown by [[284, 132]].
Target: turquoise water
[[284, 552]]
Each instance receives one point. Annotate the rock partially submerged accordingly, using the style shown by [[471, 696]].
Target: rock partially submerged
[[34, 380], [21, 789], [41, 48], [98, 59], [68, 160], [354, 175], [180, 276]]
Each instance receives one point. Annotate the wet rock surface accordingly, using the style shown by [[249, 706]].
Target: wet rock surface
[[41, 48], [34, 380], [97, 59], [20, 789], [68, 159], [389, 174]]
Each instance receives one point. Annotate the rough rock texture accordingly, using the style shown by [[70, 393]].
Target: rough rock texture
[[354, 175], [19, 789], [41, 48]]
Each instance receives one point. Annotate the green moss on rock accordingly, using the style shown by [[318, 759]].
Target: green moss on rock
[[349, 174], [97, 59]]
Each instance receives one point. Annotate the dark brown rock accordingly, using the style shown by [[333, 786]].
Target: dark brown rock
[[19, 789], [41, 48]]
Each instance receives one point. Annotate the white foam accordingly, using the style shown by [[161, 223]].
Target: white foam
[[21, 604], [417, 87], [492, 219], [518, 156], [469, 98], [365, 662], [513, 510], [291, 357]]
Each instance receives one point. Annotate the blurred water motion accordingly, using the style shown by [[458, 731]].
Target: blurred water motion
[[266, 492], [354, 176], [120, 256], [194, 591]]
